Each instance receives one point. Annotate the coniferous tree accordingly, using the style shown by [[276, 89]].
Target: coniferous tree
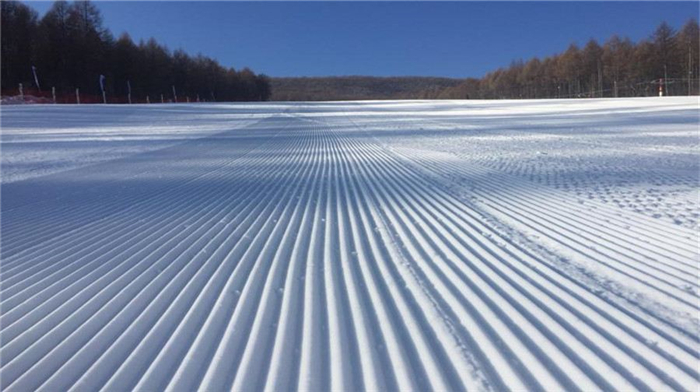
[[53, 44], [592, 68], [616, 57], [71, 48], [19, 32], [688, 46], [664, 54], [620, 68]]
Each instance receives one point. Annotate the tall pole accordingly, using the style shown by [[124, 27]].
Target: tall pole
[[665, 82], [600, 78], [102, 86], [690, 67], [174, 94], [77, 96], [36, 79], [53, 93], [128, 86]]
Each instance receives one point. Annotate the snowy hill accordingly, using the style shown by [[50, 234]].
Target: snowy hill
[[414, 245]]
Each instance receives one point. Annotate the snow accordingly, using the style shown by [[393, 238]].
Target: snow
[[400, 245]]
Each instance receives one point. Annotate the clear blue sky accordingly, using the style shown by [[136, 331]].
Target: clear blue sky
[[454, 39]]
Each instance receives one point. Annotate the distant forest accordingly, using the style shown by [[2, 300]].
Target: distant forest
[[70, 48], [619, 68], [346, 88]]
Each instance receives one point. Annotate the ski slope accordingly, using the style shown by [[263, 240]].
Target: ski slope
[[399, 245]]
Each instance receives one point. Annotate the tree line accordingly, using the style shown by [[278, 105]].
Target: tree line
[[348, 88], [69, 48], [668, 60]]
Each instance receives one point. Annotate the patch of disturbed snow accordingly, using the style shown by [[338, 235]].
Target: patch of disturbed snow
[[38, 140], [637, 154]]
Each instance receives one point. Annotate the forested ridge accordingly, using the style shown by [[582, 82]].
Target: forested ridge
[[332, 88], [70, 49], [668, 59]]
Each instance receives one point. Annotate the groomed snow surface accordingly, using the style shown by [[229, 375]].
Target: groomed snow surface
[[482, 245]]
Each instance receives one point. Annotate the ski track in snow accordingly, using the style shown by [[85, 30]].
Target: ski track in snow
[[316, 246]]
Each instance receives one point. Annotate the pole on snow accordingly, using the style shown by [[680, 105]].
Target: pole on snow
[[128, 86], [188, 99], [102, 86], [77, 96], [690, 68], [36, 79], [174, 94], [162, 100], [661, 87], [148, 100], [21, 92], [53, 93], [197, 97]]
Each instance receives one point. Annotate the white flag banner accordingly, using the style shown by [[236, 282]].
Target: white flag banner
[[128, 87], [36, 79]]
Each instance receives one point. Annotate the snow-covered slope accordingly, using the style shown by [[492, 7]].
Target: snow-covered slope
[[479, 245]]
